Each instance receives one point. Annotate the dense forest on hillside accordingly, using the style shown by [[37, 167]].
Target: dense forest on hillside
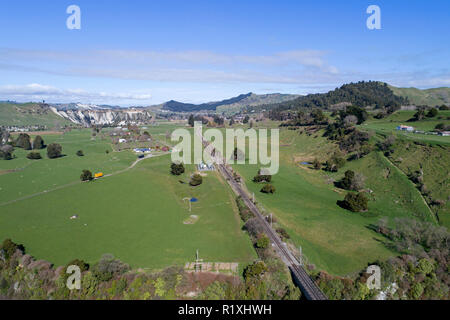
[[361, 94]]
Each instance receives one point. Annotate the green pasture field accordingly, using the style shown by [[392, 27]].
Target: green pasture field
[[433, 160], [33, 176], [24, 115], [137, 215], [389, 124], [334, 239]]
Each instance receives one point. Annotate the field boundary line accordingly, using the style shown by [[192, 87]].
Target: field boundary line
[[433, 216], [78, 182]]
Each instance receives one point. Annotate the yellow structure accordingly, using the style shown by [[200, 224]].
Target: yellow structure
[[98, 175]]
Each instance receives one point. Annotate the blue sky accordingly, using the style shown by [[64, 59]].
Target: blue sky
[[147, 52]]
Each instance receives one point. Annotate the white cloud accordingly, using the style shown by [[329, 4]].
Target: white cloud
[[190, 66], [37, 91]]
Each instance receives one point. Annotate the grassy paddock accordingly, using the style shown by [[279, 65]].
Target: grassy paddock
[[332, 238], [137, 215]]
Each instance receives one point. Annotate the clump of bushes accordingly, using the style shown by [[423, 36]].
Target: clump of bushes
[[336, 162], [283, 233], [355, 202], [34, 155], [262, 242], [255, 270], [387, 145], [351, 181], [196, 180], [177, 168], [8, 248], [109, 267], [268, 188], [244, 211], [80, 153]]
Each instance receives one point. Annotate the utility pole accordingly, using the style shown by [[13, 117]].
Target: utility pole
[[190, 203], [198, 263]]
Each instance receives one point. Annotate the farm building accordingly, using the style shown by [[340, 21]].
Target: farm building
[[444, 133], [122, 141], [205, 167], [142, 150], [405, 128]]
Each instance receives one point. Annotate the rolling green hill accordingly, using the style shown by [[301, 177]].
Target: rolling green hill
[[28, 114], [430, 97], [362, 94], [234, 104]]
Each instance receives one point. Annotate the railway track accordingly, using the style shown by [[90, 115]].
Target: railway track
[[309, 289]]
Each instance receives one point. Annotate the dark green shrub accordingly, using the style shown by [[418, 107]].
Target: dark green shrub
[[34, 155], [177, 168], [263, 242], [196, 180], [54, 150], [355, 202], [268, 188], [38, 143], [432, 113], [86, 175], [23, 141], [262, 177], [8, 247]]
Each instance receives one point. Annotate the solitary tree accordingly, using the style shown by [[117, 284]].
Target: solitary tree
[[191, 120], [432, 113], [6, 152], [86, 176], [80, 153], [355, 202], [38, 143], [54, 150], [177, 168], [23, 141]]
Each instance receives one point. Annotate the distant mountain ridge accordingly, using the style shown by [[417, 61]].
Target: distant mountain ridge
[[431, 97], [363, 94], [243, 100]]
